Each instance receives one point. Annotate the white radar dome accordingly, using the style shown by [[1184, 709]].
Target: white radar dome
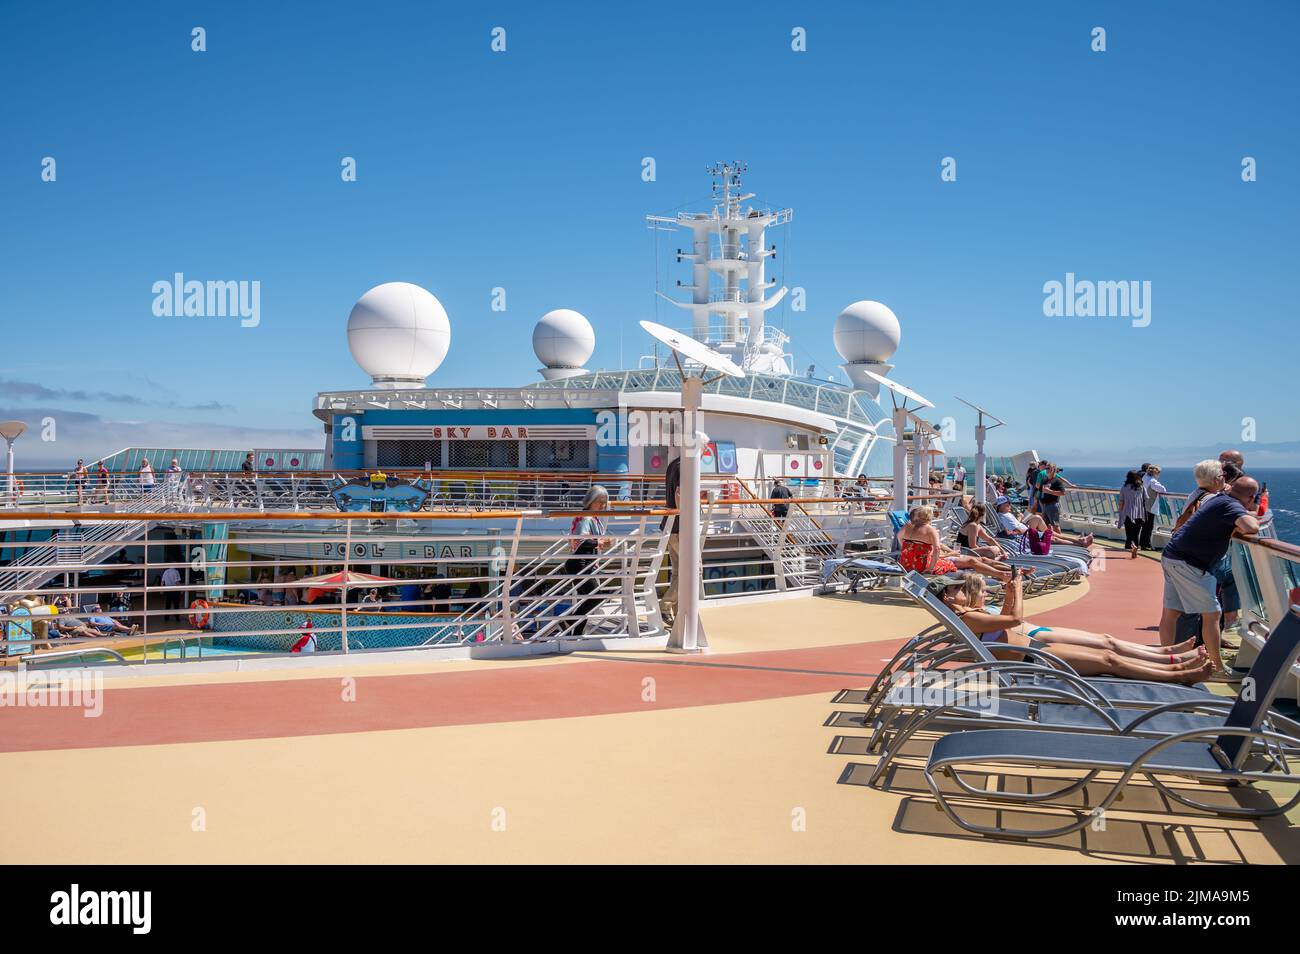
[[563, 338], [398, 333], [867, 332]]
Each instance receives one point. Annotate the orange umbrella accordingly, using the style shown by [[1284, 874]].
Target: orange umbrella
[[320, 585]]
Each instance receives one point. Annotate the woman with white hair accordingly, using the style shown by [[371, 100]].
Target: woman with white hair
[[1152, 488], [586, 540], [1209, 481]]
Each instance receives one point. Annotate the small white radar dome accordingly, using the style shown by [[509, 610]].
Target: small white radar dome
[[399, 334], [867, 332], [563, 339]]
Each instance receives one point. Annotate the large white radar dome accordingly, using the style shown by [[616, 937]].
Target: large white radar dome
[[398, 333], [563, 338], [867, 332]]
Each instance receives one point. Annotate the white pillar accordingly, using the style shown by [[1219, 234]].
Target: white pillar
[[900, 460], [981, 464], [9, 484], [686, 635], [700, 279], [919, 442]]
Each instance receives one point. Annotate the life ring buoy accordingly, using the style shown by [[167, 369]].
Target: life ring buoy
[[201, 618]]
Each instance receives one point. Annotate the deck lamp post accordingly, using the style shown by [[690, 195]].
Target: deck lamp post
[[900, 396], [11, 431], [686, 636], [981, 459]]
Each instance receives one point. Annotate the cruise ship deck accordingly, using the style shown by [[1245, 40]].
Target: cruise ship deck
[[741, 755]]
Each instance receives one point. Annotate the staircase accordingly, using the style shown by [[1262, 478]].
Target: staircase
[[542, 600], [796, 546], [73, 549]]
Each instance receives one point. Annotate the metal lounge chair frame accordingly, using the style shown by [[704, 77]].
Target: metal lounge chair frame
[[1239, 750]]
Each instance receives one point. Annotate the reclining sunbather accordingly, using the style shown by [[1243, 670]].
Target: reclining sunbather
[[1041, 536], [920, 549], [1091, 654], [975, 537]]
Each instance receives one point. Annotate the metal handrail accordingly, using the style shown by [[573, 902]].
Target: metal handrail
[[111, 654]]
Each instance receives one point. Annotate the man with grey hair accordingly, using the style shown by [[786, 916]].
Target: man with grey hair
[[1188, 562]]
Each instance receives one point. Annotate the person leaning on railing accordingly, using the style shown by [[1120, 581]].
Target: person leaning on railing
[[586, 540], [1189, 560]]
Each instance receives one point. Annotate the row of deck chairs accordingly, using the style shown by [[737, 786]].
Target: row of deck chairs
[[870, 573], [1063, 566], [1040, 715]]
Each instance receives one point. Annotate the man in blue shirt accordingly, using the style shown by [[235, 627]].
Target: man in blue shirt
[[1188, 562]]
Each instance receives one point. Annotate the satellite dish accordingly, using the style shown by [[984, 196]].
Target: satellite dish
[[907, 394], [12, 430], [694, 350]]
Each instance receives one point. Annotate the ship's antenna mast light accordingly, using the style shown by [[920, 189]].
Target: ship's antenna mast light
[[981, 459]]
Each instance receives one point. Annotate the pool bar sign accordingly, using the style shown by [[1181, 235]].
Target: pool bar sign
[[410, 551]]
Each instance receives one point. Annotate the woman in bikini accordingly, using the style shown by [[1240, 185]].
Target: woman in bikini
[[920, 549], [1091, 654], [976, 537]]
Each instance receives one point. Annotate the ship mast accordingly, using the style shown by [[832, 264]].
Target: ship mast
[[729, 256]]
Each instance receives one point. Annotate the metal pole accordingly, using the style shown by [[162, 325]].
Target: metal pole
[[343, 601], [900, 459], [981, 462], [9, 487], [685, 637]]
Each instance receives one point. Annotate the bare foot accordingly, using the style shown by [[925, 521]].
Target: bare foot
[[1200, 674], [1193, 660]]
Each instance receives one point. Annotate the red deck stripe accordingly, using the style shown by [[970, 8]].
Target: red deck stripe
[[1121, 600]]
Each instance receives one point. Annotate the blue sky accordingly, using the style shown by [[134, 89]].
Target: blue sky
[[522, 170]]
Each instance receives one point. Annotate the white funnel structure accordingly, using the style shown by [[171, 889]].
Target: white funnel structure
[[398, 333], [867, 334], [563, 341], [729, 256]]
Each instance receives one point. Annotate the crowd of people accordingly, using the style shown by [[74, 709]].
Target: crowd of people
[[56, 618], [1199, 598], [103, 486]]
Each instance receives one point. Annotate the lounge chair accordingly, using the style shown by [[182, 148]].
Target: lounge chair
[[859, 573], [1239, 749], [1037, 704], [1049, 572], [951, 642]]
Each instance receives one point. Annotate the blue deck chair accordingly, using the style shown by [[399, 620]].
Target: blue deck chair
[[1238, 750], [860, 573], [1049, 572]]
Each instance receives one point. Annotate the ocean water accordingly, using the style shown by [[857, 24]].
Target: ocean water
[[1283, 489]]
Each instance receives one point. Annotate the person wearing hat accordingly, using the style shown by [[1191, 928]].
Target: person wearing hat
[[1009, 525], [1090, 654]]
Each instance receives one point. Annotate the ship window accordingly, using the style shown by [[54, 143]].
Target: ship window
[[833, 402], [408, 453], [462, 455], [558, 455]]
